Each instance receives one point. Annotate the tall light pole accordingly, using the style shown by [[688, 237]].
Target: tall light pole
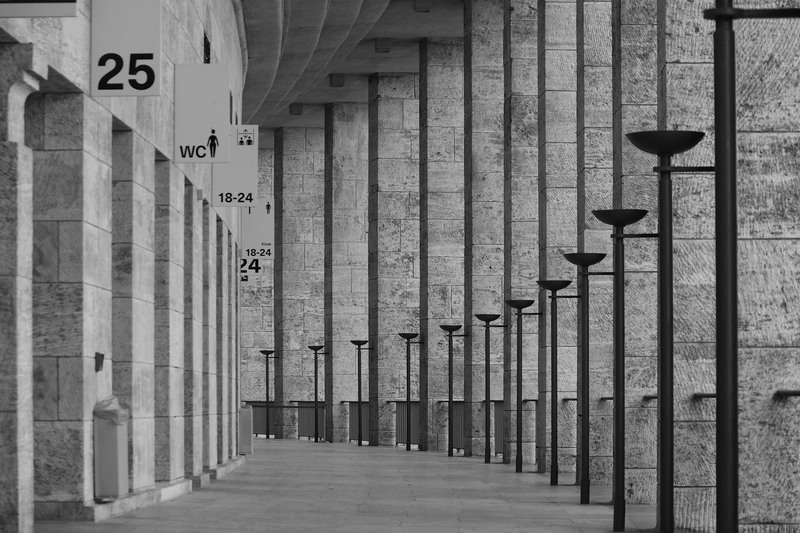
[[450, 330], [316, 349], [487, 320], [519, 305], [408, 337], [267, 356], [619, 219], [583, 261], [359, 345]]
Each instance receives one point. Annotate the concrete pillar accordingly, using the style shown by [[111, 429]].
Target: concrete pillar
[[257, 294], [637, 188], [16, 276], [595, 191], [299, 191], [346, 286], [169, 341], [72, 298], [236, 369], [521, 195], [687, 103], [442, 228], [133, 327], [557, 228], [193, 332], [209, 338], [769, 246], [232, 265], [223, 345], [393, 244], [484, 212]]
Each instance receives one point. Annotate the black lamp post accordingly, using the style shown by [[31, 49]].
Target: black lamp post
[[583, 261], [267, 356], [726, 251], [519, 305], [619, 219], [553, 286], [666, 144], [408, 337], [450, 330], [316, 349], [359, 344], [487, 415]]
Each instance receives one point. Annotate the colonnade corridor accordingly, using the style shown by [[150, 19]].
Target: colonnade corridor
[[292, 486]]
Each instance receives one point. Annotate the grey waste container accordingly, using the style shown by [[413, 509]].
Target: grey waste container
[[245, 430], [110, 450]]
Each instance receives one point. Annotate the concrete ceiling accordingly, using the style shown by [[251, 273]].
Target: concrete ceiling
[[295, 45]]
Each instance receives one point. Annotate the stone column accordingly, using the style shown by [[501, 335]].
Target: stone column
[[393, 244], [223, 345], [72, 298], [521, 195], [209, 338], [232, 265], [193, 332], [169, 359], [557, 227], [133, 328], [299, 188], [442, 228], [346, 286], [236, 370], [257, 294], [16, 278], [484, 212], [637, 187], [769, 248], [595, 191]]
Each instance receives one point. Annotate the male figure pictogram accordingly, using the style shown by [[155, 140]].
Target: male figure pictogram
[[212, 143]]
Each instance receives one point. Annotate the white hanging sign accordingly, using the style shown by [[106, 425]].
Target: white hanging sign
[[257, 238], [202, 125], [236, 183], [46, 8], [126, 48]]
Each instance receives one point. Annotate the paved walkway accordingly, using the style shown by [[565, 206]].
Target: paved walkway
[[293, 486]]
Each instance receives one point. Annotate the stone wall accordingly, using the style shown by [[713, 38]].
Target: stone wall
[[110, 224]]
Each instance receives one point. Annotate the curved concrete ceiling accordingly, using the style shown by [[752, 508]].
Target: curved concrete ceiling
[[294, 45]]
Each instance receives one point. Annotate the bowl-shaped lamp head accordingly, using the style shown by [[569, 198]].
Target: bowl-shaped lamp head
[[584, 259], [553, 284], [450, 328], [520, 303], [409, 336], [487, 317], [665, 143], [619, 217]]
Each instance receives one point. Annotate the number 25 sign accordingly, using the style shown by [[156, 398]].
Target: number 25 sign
[[126, 47]]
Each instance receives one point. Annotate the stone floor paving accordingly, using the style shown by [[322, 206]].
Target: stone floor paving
[[293, 486]]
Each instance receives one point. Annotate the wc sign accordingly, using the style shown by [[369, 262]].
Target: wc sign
[[203, 133]]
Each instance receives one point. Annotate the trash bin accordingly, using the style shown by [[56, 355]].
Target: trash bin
[[245, 430], [110, 450]]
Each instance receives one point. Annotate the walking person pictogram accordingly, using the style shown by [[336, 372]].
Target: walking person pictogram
[[212, 143]]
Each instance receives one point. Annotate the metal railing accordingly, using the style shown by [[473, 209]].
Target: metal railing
[[305, 418], [400, 423]]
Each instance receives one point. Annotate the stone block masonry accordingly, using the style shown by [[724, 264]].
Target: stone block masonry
[[346, 260], [393, 245]]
